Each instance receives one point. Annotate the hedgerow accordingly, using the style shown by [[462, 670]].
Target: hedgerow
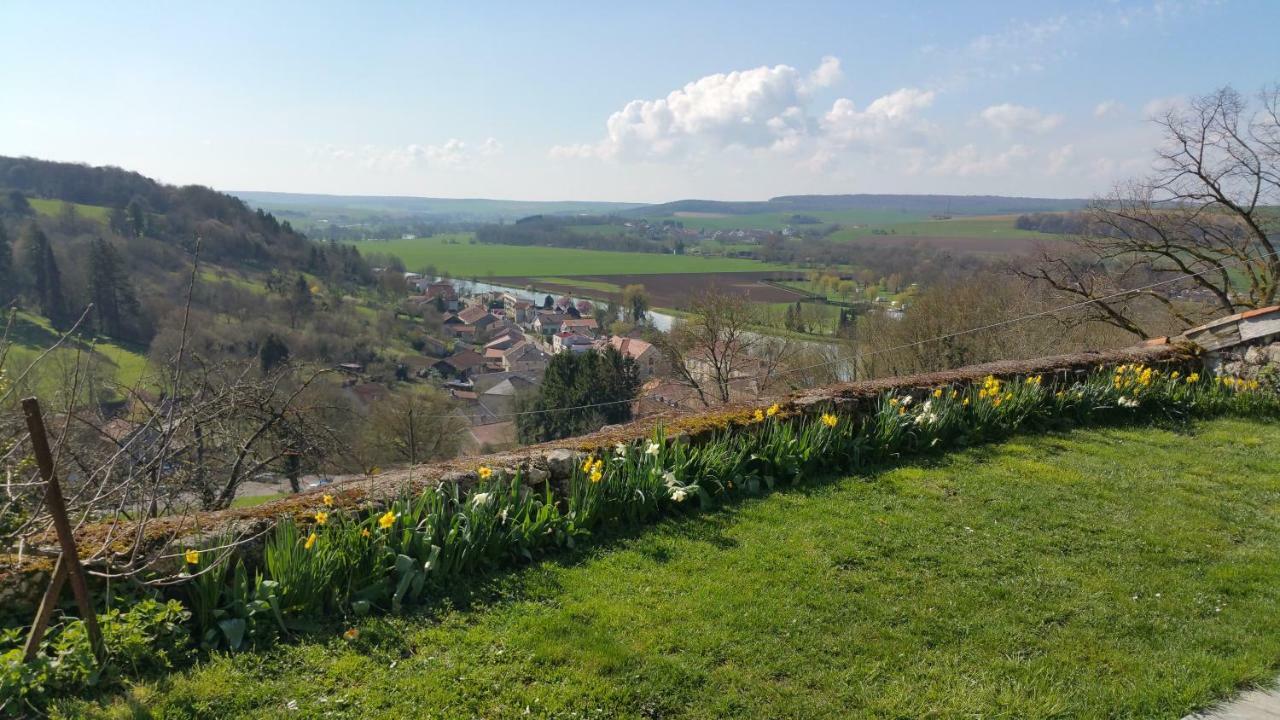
[[340, 563]]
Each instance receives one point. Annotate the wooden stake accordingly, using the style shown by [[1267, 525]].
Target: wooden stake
[[66, 539]]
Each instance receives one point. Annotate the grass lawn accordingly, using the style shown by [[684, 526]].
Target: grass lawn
[[1102, 573], [462, 259], [779, 220]]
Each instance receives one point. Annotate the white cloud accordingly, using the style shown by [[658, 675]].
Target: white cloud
[[1009, 118], [1058, 159], [453, 153], [845, 124], [968, 161], [827, 73], [1107, 107], [765, 109]]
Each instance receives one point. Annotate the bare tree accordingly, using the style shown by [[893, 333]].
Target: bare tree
[[719, 351], [1205, 219]]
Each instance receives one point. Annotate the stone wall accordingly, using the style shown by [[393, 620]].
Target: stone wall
[[21, 579]]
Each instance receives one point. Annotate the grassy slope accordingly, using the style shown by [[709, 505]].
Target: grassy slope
[[1107, 573], [51, 208], [32, 334], [465, 260]]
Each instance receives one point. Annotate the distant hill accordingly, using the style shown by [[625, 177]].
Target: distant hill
[[354, 208], [917, 204]]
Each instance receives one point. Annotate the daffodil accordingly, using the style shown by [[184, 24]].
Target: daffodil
[[596, 476], [829, 420], [679, 494], [386, 520], [480, 499], [322, 517], [937, 393], [597, 466], [191, 556], [351, 634], [485, 472], [311, 541], [652, 448], [773, 410], [620, 450], [759, 415], [328, 500], [1193, 378], [586, 465], [364, 532]]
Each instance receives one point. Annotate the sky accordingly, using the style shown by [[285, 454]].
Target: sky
[[641, 102]]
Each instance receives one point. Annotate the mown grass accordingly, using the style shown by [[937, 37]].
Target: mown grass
[[1100, 573], [463, 259]]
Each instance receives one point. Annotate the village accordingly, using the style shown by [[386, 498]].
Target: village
[[497, 345]]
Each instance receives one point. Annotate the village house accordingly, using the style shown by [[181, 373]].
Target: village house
[[581, 326], [648, 358], [460, 365], [548, 323], [525, 357], [571, 342]]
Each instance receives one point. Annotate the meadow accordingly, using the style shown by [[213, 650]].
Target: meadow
[[51, 208], [456, 255], [780, 220], [1117, 572], [112, 364], [987, 226]]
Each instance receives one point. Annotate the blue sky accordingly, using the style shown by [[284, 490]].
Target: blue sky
[[639, 101]]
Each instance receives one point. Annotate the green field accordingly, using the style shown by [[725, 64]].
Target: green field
[[1114, 573], [779, 220], [988, 226], [113, 363], [462, 259], [51, 208]]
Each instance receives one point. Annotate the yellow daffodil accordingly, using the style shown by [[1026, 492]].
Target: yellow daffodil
[[328, 500], [364, 532], [1193, 378], [966, 402], [596, 476], [191, 556], [937, 393], [995, 402], [759, 415], [322, 517], [311, 541], [387, 520], [586, 466], [1175, 375], [597, 466], [485, 472], [773, 410], [829, 420]]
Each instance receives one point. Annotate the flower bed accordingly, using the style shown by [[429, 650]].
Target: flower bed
[[336, 562]]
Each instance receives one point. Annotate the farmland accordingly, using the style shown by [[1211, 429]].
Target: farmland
[[458, 256], [671, 291]]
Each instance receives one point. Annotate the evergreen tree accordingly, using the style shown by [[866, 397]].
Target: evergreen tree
[[46, 279], [110, 290], [273, 353], [580, 392], [300, 300]]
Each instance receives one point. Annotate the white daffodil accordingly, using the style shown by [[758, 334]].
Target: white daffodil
[[906, 400], [679, 495], [1127, 402], [652, 448], [620, 450], [669, 478], [480, 499]]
